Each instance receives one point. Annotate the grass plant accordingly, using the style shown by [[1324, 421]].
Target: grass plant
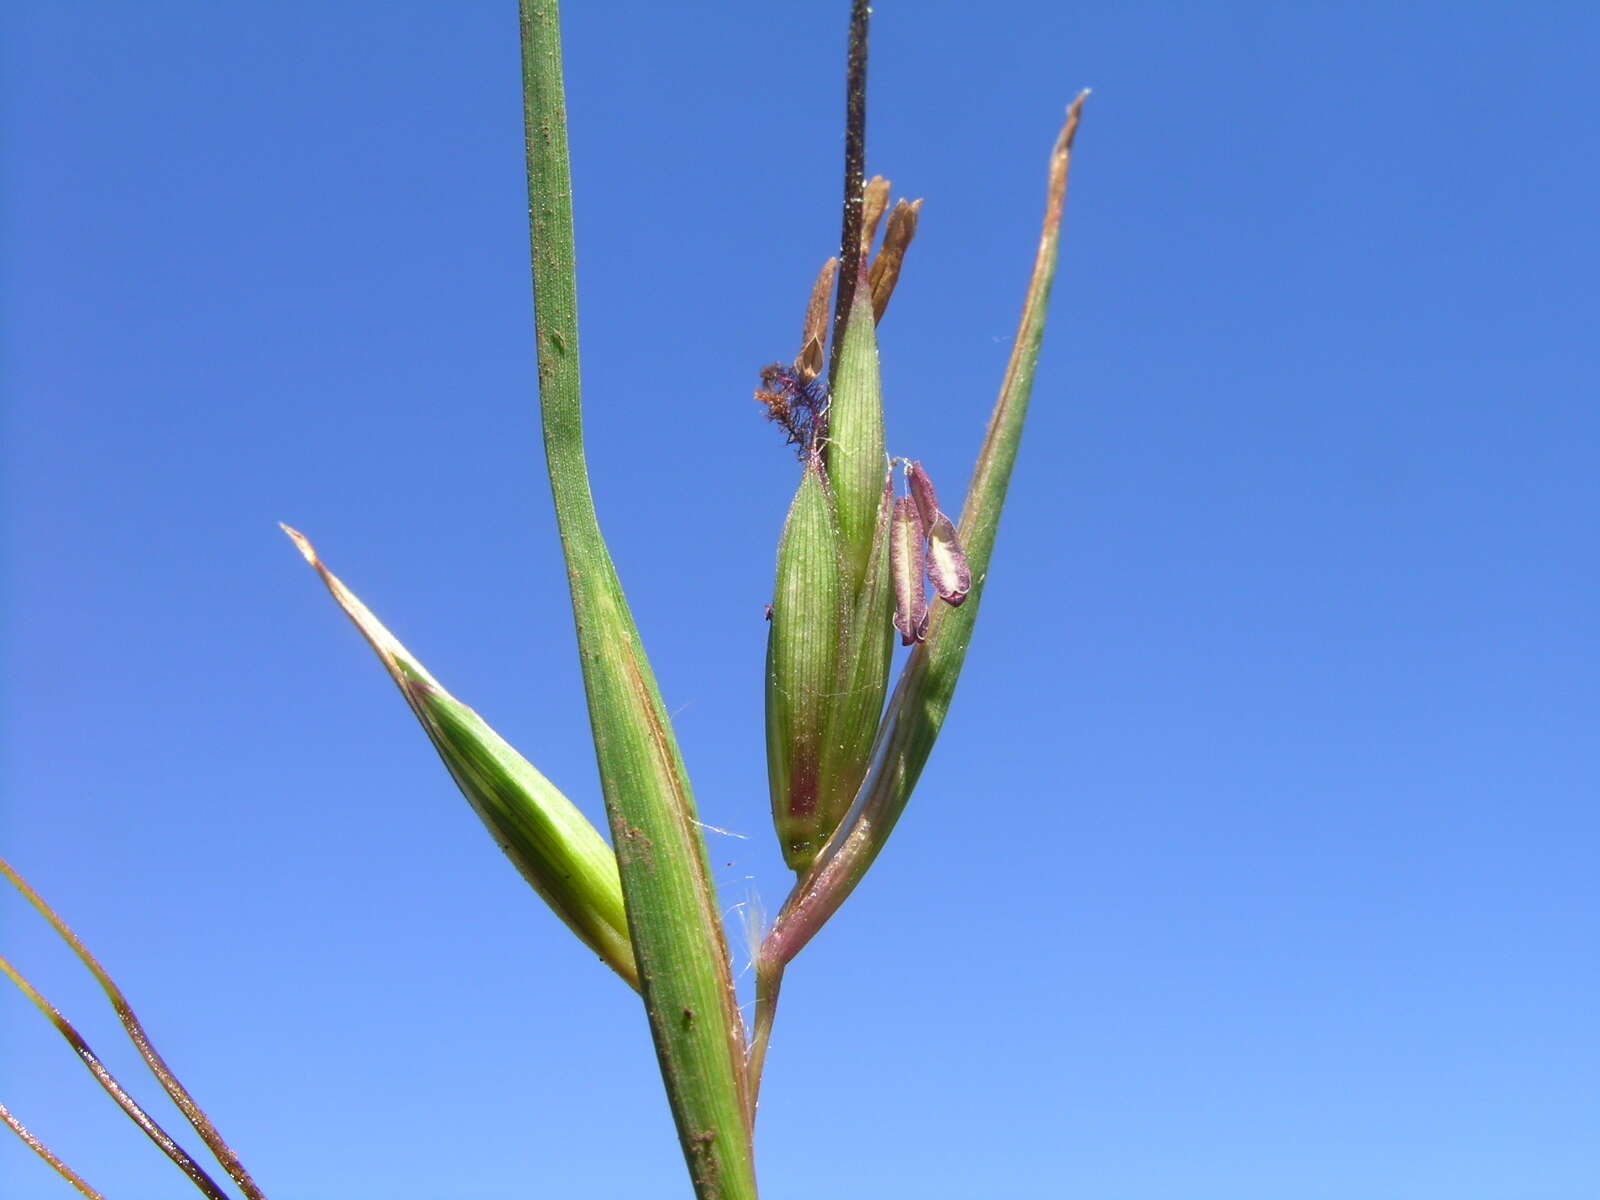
[[857, 562]]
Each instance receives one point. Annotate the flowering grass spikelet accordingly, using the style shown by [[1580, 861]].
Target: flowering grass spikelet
[[796, 402], [947, 562], [907, 547], [855, 444], [864, 662], [803, 642]]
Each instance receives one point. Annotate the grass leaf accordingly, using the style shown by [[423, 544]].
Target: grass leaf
[[543, 833], [673, 915]]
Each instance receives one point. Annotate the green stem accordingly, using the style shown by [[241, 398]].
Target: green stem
[[674, 921], [769, 978]]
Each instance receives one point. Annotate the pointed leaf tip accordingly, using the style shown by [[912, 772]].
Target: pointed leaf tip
[[551, 843], [301, 542]]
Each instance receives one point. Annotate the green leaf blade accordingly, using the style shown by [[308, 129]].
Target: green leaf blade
[[550, 842], [547, 838], [674, 920]]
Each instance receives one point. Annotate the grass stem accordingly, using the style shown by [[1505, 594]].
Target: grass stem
[[674, 921]]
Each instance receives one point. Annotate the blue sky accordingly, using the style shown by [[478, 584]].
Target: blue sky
[[1258, 858]]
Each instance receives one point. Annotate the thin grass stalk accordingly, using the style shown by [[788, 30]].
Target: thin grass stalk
[[185, 1161], [769, 982], [31, 1140], [855, 170], [192, 1111], [922, 698], [674, 921]]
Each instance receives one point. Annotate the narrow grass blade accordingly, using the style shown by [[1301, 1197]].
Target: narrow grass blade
[[147, 1124], [673, 915], [31, 1140], [922, 698], [543, 833], [135, 1029]]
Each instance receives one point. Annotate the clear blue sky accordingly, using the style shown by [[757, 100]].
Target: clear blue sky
[[1258, 860]]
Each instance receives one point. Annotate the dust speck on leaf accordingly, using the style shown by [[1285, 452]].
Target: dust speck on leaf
[[634, 847]]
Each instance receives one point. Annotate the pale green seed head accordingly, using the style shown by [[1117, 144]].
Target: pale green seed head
[[803, 663], [855, 449]]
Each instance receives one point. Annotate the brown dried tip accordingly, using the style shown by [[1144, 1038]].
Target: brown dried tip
[[874, 203], [886, 267], [811, 358]]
